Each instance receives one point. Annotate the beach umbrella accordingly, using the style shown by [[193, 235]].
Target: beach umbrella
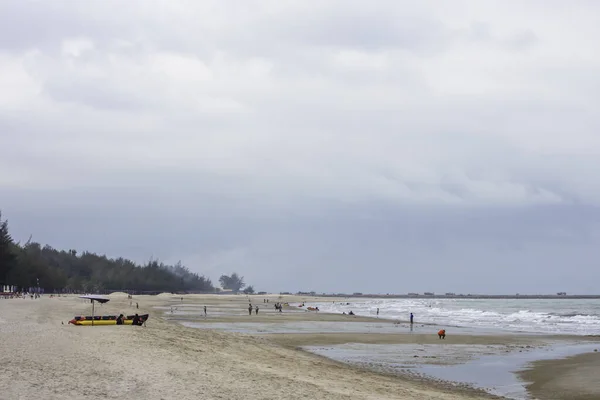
[[94, 298]]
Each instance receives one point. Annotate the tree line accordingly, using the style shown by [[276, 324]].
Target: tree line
[[32, 265], [235, 283]]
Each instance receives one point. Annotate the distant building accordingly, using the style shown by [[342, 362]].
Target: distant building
[[413, 294], [450, 294], [561, 293], [429, 294]]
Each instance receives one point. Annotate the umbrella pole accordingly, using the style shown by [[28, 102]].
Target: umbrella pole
[[92, 312]]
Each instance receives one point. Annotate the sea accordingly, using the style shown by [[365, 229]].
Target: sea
[[543, 316]]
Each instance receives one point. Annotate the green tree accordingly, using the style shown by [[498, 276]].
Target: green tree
[[7, 252], [60, 270], [249, 290], [233, 282]]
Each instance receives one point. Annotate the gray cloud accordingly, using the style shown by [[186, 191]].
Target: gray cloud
[[394, 147]]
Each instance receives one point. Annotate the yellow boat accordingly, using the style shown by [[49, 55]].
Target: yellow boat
[[106, 320]]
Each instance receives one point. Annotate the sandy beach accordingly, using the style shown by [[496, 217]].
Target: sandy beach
[[42, 356], [568, 378]]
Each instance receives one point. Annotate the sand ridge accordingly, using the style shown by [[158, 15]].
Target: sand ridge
[[574, 378]]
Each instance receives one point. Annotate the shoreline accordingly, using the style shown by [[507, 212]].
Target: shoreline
[[167, 360], [566, 378], [388, 296], [518, 341]]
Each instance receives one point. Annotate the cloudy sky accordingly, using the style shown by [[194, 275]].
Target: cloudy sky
[[384, 146]]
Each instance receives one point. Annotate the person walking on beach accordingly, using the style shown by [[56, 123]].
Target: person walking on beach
[[205, 311], [411, 318], [249, 309], [256, 310], [137, 305]]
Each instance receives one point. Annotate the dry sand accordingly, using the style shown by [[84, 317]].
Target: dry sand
[[42, 358]]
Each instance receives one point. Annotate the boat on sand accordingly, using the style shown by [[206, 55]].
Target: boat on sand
[[106, 320], [100, 320]]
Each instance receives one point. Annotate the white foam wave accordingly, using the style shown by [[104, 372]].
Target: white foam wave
[[580, 317]]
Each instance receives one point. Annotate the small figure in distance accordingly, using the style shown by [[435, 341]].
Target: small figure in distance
[[411, 318], [442, 334], [205, 311], [120, 319]]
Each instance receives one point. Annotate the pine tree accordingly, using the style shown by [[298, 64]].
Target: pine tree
[[7, 256]]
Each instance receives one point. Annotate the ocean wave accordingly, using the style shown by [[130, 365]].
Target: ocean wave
[[540, 316]]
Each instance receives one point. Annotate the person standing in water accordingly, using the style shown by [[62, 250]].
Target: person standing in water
[[377, 312], [411, 318]]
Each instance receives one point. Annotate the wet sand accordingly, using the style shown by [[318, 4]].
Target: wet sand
[[42, 358], [575, 378]]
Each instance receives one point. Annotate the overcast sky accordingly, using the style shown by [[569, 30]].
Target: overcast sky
[[383, 146]]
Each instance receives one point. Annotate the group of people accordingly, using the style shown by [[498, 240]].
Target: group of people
[[11, 295], [137, 320], [277, 306], [250, 308]]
